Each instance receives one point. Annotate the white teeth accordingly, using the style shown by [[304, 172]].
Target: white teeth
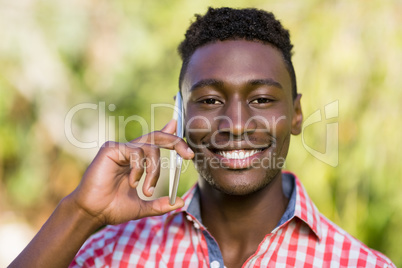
[[238, 154]]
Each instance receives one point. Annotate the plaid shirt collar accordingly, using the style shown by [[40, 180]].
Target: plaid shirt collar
[[304, 208]]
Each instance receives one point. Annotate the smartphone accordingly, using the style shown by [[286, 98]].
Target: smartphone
[[176, 160]]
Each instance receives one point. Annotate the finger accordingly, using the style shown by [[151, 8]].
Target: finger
[[130, 159], [152, 169], [137, 163], [166, 141], [159, 206], [172, 142], [170, 127]]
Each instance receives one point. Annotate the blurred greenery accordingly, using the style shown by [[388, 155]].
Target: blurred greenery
[[121, 55]]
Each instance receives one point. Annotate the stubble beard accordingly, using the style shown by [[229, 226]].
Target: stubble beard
[[243, 187]]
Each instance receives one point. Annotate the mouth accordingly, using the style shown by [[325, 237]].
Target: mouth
[[238, 154], [240, 158]]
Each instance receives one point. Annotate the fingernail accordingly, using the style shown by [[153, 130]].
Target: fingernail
[[190, 151], [151, 190]]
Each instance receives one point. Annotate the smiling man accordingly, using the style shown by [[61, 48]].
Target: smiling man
[[241, 108], [243, 91]]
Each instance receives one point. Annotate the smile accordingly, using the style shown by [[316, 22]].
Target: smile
[[238, 154]]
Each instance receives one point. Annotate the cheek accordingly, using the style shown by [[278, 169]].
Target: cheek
[[280, 126], [278, 123], [281, 130], [197, 127]]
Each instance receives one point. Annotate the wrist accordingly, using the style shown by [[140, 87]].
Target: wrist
[[62, 235], [80, 219]]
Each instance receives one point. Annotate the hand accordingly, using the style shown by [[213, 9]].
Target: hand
[[108, 191]]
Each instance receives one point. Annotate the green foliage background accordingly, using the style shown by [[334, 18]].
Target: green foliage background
[[55, 55]]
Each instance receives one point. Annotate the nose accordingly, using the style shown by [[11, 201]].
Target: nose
[[236, 119]]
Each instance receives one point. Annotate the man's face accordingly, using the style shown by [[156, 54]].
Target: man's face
[[239, 114]]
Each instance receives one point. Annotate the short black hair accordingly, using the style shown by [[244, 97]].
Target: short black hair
[[220, 24]]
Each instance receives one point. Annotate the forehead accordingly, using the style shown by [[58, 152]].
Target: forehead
[[236, 62]]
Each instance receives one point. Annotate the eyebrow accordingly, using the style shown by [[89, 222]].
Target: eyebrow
[[266, 82], [207, 83], [219, 83]]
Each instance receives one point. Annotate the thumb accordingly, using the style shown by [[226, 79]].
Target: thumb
[[161, 206]]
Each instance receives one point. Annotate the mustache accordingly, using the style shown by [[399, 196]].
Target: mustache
[[243, 143], [245, 138]]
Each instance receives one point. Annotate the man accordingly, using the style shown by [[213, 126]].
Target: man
[[241, 106]]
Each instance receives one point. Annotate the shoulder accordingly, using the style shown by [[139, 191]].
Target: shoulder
[[132, 229], [125, 243], [115, 241], [325, 242], [342, 246]]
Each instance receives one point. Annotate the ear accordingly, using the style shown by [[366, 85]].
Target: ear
[[297, 120]]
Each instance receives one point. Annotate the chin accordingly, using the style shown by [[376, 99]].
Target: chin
[[237, 182]]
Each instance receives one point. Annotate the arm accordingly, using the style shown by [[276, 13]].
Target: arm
[[59, 239], [107, 194]]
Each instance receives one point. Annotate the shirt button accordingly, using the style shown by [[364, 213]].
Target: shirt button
[[215, 264], [197, 226], [189, 218]]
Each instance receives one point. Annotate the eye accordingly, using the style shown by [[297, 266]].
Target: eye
[[210, 101], [261, 101]]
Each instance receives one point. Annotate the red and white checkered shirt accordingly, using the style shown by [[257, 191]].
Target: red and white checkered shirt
[[304, 238]]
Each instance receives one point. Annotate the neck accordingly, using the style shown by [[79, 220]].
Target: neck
[[242, 221]]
